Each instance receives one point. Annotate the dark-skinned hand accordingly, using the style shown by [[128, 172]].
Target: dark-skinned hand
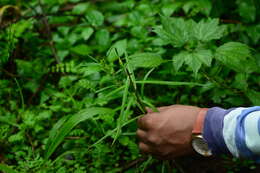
[[167, 134]]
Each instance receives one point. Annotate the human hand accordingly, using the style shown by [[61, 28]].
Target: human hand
[[167, 134]]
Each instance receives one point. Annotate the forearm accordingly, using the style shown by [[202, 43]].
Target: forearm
[[235, 131]]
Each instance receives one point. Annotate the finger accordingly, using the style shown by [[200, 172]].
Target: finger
[[141, 134], [146, 122], [144, 148], [142, 123], [163, 108]]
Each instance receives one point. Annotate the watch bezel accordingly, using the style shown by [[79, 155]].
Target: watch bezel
[[200, 146]]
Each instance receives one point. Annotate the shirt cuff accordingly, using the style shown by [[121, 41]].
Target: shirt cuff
[[212, 131]]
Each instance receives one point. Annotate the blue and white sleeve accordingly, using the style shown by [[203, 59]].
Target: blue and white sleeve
[[235, 131]]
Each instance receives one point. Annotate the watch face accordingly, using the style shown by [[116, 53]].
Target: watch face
[[201, 147]]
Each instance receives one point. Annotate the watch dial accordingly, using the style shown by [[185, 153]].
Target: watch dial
[[201, 147]]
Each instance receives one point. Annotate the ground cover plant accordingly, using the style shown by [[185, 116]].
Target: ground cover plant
[[75, 75]]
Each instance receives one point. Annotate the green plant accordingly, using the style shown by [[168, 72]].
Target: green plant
[[76, 75]]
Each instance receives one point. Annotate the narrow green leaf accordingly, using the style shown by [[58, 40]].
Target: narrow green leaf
[[122, 111], [208, 30], [145, 78], [59, 134], [145, 60], [173, 83], [54, 130]]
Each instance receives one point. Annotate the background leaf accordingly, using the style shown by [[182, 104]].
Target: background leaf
[[145, 60]]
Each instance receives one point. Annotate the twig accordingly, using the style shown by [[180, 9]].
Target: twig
[[49, 34], [133, 163], [42, 82], [76, 137], [230, 21], [135, 91]]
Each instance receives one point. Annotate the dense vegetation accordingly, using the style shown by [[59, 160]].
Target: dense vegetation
[[75, 76]]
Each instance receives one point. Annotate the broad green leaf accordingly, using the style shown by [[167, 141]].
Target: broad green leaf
[[236, 56], [193, 62], [254, 97], [95, 18], [81, 49], [192, 7], [175, 30], [208, 30], [6, 169], [59, 134], [205, 56], [116, 50], [193, 59], [103, 37], [80, 8], [90, 68], [170, 8], [145, 60], [254, 33], [247, 10], [86, 33], [241, 81], [179, 59], [120, 46]]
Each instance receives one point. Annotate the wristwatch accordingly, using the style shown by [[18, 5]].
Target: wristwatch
[[198, 143]]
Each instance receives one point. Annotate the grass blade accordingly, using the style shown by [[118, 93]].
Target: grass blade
[[145, 78], [60, 133], [122, 112], [173, 83]]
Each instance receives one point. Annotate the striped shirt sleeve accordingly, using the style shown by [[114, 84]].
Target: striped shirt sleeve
[[235, 131]]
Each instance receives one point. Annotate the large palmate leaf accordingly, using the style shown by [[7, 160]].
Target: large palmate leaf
[[205, 56], [236, 56], [175, 30], [208, 30], [63, 127], [145, 60], [193, 59]]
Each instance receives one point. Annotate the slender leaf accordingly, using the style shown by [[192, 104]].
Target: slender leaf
[[70, 124], [173, 83]]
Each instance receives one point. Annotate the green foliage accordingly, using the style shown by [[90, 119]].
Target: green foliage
[[76, 75]]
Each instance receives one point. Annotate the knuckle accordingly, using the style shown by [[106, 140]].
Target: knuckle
[[153, 139]]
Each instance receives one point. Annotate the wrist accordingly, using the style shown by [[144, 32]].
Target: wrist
[[199, 122], [198, 143]]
